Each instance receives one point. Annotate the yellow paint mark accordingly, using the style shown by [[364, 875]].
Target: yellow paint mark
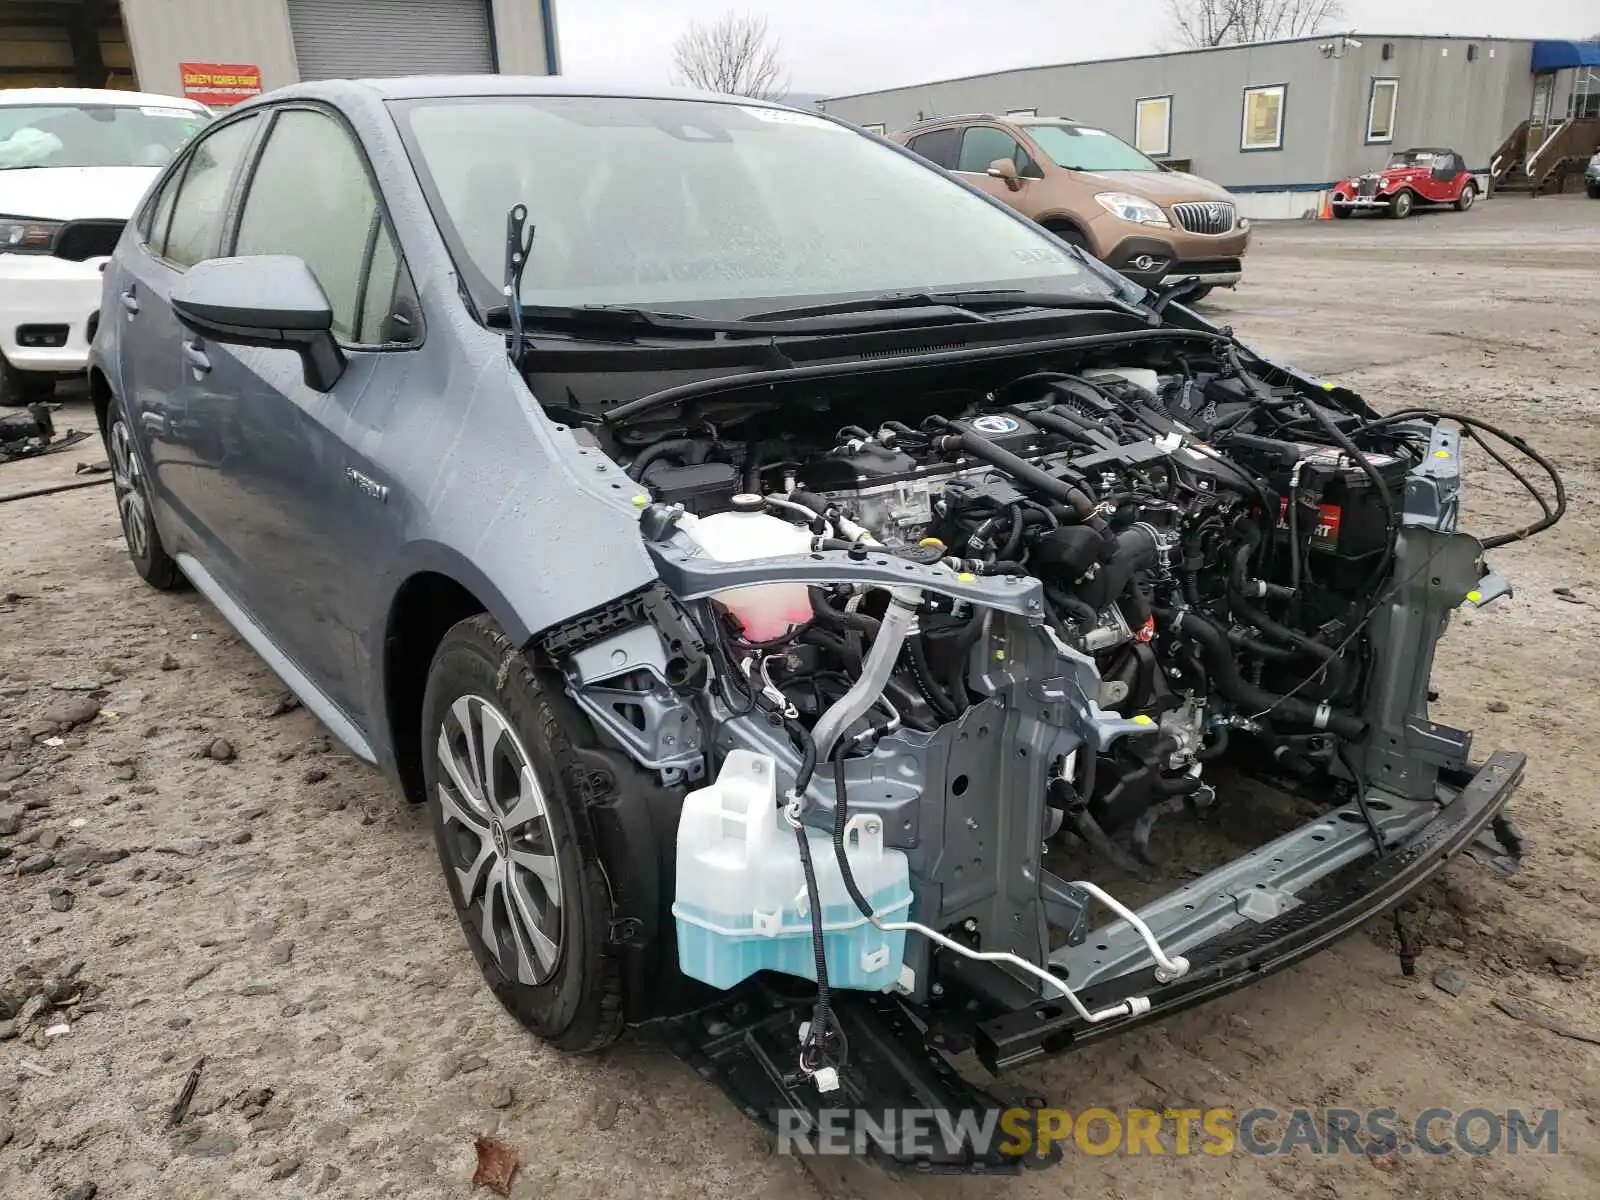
[[1141, 719], [640, 501], [1441, 454], [966, 577], [1474, 596]]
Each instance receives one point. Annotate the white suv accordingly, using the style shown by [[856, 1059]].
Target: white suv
[[74, 164]]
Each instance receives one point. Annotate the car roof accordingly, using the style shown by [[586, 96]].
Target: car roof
[[72, 97], [423, 87], [999, 118]]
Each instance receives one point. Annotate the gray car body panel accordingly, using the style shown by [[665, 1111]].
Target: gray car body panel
[[311, 511], [477, 483]]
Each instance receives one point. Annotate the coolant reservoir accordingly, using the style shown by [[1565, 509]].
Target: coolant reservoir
[[741, 904], [768, 610], [1138, 376]]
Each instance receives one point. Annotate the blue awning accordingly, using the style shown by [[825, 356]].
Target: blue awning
[[1558, 56]]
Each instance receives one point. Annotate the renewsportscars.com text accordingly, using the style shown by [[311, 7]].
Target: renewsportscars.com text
[[1045, 1132]]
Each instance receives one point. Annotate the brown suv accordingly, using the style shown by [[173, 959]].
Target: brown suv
[[1096, 191]]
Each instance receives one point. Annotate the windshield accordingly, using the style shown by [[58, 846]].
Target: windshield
[[94, 135], [1085, 148], [1415, 158], [647, 202]]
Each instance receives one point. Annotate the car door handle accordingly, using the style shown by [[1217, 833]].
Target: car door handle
[[130, 302], [194, 354]]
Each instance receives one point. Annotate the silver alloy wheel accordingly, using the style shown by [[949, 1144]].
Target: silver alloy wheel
[[1468, 195], [129, 483], [494, 812]]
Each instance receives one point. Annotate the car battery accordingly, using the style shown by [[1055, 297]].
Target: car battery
[[1341, 511]]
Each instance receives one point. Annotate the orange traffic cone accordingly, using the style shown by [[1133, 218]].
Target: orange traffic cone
[[1326, 213]]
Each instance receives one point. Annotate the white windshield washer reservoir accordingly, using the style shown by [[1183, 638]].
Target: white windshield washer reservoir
[[741, 903]]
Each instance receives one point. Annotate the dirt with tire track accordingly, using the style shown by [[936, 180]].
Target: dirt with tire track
[[242, 891]]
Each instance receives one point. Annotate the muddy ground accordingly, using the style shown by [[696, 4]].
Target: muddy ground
[[242, 891]]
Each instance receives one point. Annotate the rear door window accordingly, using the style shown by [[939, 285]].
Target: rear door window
[[158, 215], [202, 197], [939, 147]]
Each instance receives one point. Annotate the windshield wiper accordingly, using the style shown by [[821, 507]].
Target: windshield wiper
[[622, 320], [1019, 298], [974, 303]]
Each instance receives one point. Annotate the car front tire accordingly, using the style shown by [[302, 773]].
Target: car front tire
[[150, 558], [23, 387], [1071, 237], [1469, 195], [1401, 204], [505, 789]]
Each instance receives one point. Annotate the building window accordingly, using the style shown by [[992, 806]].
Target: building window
[[1263, 117], [1380, 110], [1152, 126], [1584, 103]]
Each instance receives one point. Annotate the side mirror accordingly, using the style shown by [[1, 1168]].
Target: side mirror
[[268, 300], [1004, 168]]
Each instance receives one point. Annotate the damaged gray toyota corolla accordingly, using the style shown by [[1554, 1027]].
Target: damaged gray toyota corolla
[[829, 618]]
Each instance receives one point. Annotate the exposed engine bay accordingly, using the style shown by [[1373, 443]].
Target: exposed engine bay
[[933, 637]]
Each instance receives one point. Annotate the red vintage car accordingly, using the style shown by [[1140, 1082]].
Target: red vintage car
[[1424, 175]]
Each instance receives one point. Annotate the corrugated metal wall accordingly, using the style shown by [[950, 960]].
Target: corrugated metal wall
[[1443, 98], [338, 39]]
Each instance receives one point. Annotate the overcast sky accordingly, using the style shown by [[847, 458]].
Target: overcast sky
[[838, 46]]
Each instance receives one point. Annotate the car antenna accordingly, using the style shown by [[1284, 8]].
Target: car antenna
[[519, 241]]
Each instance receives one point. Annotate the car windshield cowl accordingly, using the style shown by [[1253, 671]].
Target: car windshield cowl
[[885, 312]]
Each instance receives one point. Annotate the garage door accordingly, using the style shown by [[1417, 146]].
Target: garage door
[[338, 39]]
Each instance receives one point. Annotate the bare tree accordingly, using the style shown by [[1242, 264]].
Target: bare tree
[[1198, 24], [733, 55]]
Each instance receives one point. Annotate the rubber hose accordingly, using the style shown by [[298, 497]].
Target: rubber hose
[[1055, 423], [671, 448], [1334, 668], [1226, 679], [1018, 468], [835, 619], [1014, 543], [962, 645], [930, 687], [841, 817], [1075, 607], [1216, 748]]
